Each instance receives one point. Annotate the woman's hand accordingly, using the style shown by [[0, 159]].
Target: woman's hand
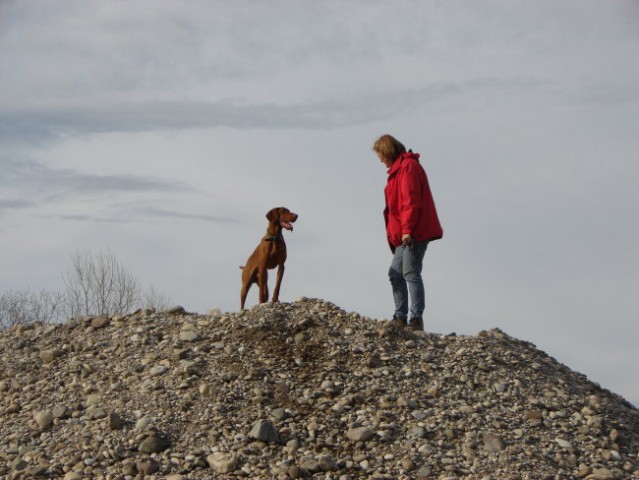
[[407, 240]]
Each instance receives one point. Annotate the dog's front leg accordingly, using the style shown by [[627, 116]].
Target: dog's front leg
[[278, 282], [247, 280], [262, 281], [243, 294]]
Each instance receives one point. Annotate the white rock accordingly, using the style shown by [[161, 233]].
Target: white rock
[[158, 370], [563, 443], [360, 434], [189, 336], [44, 418], [73, 476], [222, 462]]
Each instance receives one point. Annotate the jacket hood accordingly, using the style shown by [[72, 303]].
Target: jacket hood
[[410, 155]]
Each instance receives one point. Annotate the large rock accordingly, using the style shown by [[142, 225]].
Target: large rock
[[222, 462], [49, 356], [189, 336], [147, 467], [360, 434], [100, 322], [153, 444], [73, 476], [116, 422], [493, 443], [44, 418], [265, 431]]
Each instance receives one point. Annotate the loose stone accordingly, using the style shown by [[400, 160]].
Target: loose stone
[[222, 462], [360, 434], [265, 431], [44, 418]]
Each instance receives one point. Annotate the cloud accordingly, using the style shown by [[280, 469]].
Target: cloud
[[147, 212], [14, 204], [134, 214], [40, 124], [89, 218], [31, 185], [8, 205], [601, 94], [31, 177]]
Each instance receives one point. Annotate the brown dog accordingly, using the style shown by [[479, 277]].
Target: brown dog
[[270, 253]]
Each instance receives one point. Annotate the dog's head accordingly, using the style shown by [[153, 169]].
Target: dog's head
[[282, 217]]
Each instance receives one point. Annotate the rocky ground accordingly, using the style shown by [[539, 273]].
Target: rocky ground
[[298, 390]]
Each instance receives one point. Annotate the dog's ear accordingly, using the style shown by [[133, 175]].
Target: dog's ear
[[272, 215]]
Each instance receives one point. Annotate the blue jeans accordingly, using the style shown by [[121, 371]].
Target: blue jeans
[[405, 275]]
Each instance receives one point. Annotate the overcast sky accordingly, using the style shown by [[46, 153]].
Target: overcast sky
[[165, 130]]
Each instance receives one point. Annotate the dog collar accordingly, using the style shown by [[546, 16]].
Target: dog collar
[[269, 237]]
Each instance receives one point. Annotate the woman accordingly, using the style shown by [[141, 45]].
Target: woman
[[411, 222]]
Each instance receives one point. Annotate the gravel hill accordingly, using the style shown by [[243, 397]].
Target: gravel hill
[[298, 390]]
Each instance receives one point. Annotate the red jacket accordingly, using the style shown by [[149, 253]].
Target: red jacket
[[409, 203]]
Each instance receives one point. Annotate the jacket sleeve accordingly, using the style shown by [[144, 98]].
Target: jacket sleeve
[[411, 196]]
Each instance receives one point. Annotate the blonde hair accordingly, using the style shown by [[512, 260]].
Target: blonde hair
[[389, 147]]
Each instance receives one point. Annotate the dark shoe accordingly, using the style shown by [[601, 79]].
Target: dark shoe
[[416, 323], [399, 322]]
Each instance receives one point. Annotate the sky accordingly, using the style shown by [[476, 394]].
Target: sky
[[164, 131]]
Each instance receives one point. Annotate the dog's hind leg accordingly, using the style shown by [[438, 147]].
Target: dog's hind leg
[[248, 279], [243, 294]]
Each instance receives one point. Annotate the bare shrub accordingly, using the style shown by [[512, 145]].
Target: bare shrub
[[99, 285], [19, 307], [95, 285], [153, 299], [13, 308], [48, 307]]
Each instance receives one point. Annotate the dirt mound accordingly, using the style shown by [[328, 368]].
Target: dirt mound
[[298, 390]]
